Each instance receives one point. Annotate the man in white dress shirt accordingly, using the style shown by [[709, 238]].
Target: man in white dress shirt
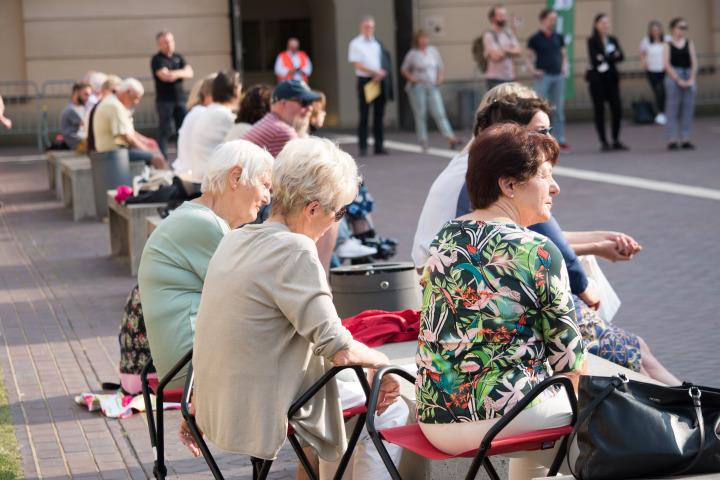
[[371, 64]]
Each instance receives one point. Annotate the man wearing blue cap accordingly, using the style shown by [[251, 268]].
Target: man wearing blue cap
[[291, 107]]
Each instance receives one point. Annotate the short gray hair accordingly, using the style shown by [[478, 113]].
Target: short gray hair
[[131, 84], [366, 18], [256, 163], [313, 169]]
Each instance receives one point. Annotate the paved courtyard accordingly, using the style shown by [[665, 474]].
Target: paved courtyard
[[62, 295]]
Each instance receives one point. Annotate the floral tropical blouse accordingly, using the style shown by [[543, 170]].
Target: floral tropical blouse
[[497, 319]]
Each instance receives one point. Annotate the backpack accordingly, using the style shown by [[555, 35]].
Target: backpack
[[478, 50]]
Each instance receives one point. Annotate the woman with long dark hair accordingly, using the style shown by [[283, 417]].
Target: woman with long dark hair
[[651, 53], [681, 69], [603, 53]]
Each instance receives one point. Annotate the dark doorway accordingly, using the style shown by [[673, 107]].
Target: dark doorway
[[403, 37]]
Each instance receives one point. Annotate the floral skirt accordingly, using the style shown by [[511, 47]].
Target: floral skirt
[[134, 346], [607, 340]]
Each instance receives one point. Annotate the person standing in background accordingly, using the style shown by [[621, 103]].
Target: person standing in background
[[651, 53], [500, 47], [550, 69], [372, 64], [423, 70], [169, 70], [680, 86], [4, 121], [293, 63], [603, 53]]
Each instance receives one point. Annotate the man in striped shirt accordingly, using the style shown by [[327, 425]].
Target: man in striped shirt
[[291, 107]]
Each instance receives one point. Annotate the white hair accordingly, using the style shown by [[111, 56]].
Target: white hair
[[96, 81], [256, 162], [313, 169], [132, 85]]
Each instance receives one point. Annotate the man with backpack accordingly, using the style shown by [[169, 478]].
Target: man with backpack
[[500, 48]]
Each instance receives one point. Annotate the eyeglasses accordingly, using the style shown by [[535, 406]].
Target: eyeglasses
[[682, 27], [303, 103], [544, 131], [340, 214]]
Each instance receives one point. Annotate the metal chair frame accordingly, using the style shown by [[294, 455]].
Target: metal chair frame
[[486, 448], [261, 467], [156, 428]]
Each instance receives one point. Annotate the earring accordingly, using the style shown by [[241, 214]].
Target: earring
[[235, 186], [512, 195]]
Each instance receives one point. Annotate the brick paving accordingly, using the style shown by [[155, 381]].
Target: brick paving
[[62, 295]]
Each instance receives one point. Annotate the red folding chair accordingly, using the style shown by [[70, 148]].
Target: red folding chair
[[261, 467], [156, 429], [412, 438]]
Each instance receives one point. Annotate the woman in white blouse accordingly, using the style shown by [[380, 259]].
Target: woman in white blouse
[[423, 70], [651, 54]]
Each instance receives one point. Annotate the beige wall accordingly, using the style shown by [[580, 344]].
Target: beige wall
[[12, 54], [62, 40]]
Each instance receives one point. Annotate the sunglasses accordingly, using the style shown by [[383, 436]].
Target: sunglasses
[[303, 103], [544, 131], [340, 214]]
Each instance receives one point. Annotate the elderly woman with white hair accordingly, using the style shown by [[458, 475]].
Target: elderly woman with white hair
[[176, 256], [267, 317]]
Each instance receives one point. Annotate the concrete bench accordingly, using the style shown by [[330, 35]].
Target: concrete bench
[[53, 160], [417, 467], [77, 187], [151, 223], [126, 224]]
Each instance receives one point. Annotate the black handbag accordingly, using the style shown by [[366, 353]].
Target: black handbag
[[630, 429], [643, 112]]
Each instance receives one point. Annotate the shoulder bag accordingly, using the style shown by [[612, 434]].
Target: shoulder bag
[[629, 429]]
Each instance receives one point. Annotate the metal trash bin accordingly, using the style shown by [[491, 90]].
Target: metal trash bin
[[110, 169], [374, 286]]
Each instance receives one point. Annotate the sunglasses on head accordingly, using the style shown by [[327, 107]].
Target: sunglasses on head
[[303, 103], [544, 131]]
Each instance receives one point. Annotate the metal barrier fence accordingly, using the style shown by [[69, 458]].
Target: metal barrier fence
[[635, 87], [36, 111], [57, 93], [22, 105]]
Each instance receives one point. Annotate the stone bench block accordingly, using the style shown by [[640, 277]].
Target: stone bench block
[[77, 187], [126, 224]]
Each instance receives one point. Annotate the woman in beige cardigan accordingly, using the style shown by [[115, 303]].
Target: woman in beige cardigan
[[267, 329]]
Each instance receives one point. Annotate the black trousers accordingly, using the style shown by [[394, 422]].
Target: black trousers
[[378, 106], [606, 90], [657, 81], [167, 112]]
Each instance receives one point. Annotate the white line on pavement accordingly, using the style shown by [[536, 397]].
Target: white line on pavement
[[589, 175]]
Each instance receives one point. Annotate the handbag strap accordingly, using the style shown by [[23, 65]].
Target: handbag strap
[[695, 394], [615, 383]]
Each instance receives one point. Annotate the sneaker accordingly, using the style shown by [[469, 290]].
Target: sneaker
[[605, 147], [564, 147], [660, 119], [672, 146], [687, 146], [353, 248]]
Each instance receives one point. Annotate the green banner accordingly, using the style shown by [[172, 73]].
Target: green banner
[[566, 27]]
